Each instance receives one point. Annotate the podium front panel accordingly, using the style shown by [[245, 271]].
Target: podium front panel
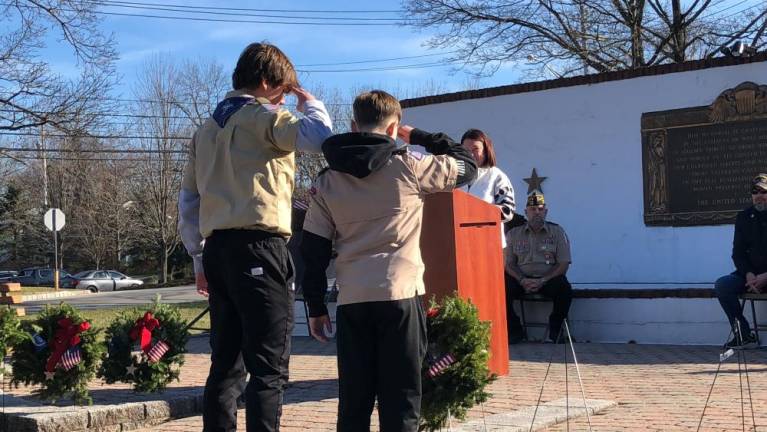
[[461, 247]]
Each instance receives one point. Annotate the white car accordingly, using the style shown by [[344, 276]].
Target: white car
[[104, 280]]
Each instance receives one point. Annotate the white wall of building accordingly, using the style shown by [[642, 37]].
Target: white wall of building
[[587, 140]]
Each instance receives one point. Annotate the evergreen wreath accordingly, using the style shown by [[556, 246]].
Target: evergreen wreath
[[145, 348], [456, 371], [59, 351], [10, 333]]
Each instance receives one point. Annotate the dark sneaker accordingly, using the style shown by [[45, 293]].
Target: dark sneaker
[[749, 341]]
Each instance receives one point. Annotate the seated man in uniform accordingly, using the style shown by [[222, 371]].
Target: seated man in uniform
[[537, 258], [369, 205], [749, 253]]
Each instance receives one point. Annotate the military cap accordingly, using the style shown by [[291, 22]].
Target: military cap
[[535, 198], [759, 182]]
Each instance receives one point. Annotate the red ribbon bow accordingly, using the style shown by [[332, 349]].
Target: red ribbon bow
[[66, 336], [143, 331]]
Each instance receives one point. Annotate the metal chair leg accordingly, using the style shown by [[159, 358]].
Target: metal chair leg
[[524, 320], [756, 323], [306, 314]]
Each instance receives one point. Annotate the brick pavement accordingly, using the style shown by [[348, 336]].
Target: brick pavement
[[658, 388]]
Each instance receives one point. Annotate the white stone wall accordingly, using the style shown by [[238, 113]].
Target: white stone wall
[[586, 139]]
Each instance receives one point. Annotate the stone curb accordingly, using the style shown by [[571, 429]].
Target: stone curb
[[22, 415], [547, 414], [54, 295]]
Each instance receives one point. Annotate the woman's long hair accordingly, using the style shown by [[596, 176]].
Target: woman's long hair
[[489, 151]]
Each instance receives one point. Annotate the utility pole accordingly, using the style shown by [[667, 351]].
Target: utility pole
[[45, 205], [45, 166]]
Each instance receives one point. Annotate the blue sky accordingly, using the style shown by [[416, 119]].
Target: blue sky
[[140, 38]]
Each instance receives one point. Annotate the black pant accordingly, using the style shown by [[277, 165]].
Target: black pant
[[557, 289], [728, 289], [251, 321], [381, 346]]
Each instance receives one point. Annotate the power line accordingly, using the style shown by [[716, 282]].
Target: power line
[[68, 150], [167, 17], [87, 159], [377, 61], [217, 12], [252, 9], [146, 116], [734, 13], [717, 12], [47, 135], [386, 68], [170, 102]]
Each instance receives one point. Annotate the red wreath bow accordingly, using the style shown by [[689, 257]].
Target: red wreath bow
[[66, 336], [143, 331]]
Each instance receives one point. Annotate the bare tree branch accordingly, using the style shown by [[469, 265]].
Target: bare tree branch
[[602, 35]]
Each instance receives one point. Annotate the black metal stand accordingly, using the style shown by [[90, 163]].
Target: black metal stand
[[197, 318]]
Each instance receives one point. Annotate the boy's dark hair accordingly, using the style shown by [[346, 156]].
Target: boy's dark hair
[[372, 108], [263, 61], [487, 143]]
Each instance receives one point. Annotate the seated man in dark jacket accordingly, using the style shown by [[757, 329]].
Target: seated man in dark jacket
[[749, 253]]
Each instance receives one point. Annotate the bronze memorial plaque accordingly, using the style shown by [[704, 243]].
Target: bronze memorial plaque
[[698, 162]]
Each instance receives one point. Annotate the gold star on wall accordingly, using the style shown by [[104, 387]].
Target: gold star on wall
[[534, 182]]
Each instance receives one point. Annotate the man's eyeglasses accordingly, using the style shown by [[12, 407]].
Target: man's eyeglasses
[[758, 191]]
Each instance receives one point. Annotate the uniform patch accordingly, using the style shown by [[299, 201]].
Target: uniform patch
[[522, 247], [415, 154], [313, 191]]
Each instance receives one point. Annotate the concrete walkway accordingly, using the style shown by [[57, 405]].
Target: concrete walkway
[[656, 388]]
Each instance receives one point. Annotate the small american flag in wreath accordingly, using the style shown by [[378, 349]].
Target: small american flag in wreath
[[439, 366], [157, 351], [70, 358]]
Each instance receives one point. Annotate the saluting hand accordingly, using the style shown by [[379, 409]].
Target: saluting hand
[[302, 95], [319, 327], [404, 133]]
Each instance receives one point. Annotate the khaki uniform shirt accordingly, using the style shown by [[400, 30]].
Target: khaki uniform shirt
[[537, 253], [375, 223], [244, 172]]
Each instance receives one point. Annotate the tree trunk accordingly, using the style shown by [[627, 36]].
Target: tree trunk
[[165, 259], [679, 33]]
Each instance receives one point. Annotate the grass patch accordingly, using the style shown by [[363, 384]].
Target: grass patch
[[102, 317]]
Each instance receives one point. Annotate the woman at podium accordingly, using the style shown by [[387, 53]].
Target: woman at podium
[[492, 185]]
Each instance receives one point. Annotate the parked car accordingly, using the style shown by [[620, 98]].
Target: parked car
[[7, 275], [104, 280], [43, 276]]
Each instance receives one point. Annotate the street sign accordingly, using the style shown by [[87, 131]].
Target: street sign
[[56, 216]]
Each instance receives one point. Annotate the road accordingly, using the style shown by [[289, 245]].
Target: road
[[181, 294]]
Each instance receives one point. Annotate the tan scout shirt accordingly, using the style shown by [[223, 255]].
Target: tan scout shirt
[[244, 172], [537, 253], [375, 223]]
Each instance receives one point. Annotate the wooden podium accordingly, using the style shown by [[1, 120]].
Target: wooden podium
[[461, 248]]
